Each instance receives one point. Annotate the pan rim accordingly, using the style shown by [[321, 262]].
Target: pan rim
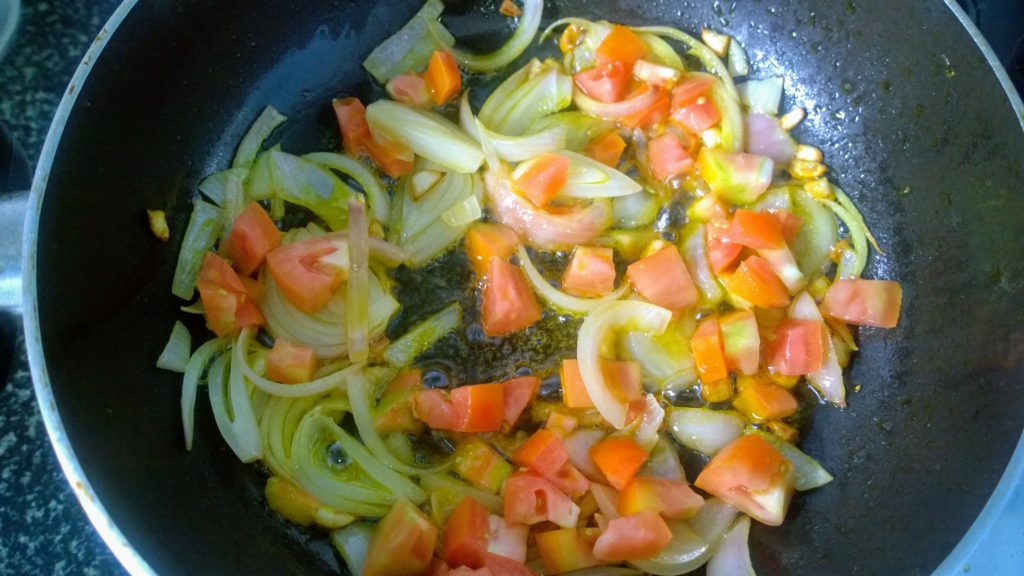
[[123, 550]]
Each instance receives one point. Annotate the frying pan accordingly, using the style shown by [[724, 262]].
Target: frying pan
[[914, 116]]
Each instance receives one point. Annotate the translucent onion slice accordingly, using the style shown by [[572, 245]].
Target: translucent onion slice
[[357, 287], [353, 542], [589, 178], [732, 557], [706, 56], [693, 541], [597, 330], [376, 195], [176, 352], [512, 148], [529, 23], [426, 133], [422, 336], [193, 373], [636, 104], [706, 431], [440, 482], [268, 120], [233, 410], [829, 379], [559, 299]]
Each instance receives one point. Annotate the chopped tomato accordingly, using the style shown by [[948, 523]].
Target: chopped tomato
[[756, 230], [303, 279], [253, 288], [667, 157], [402, 543], [591, 272], [480, 407], [634, 537], [655, 113], [226, 303], [542, 178], [798, 348], [393, 158], [567, 549], [569, 480], [789, 223], [252, 236], [507, 541], [508, 301], [662, 279], [605, 82], [467, 571], [442, 77], [465, 535], [438, 568], [655, 74], [618, 458], [716, 390], [741, 341], [485, 240], [698, 116], [738, 177], [435, 409], [750, 474], [480, 465], [394, 411], [722, 253], [561, 423], [864, 302], [530, 499], [670, 498], [607, 148], [622, 372], [756, 282], [690, 89], [542, 451], [293, 503], [290, 363], [708, 351], [409, 88], [574, 392], [760, 400], [621, 45], [502, 566], [519, 392]]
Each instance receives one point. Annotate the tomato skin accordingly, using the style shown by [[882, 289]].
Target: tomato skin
[[709, 351], [864, 302], [402, 543], [667, 157], [226, 303], [466, 535], [756, 282], [508, 300], [798, 348], [530, 499], [442, 77], [290, 363], [789, 223], [621, 45], [435, 409], [748, 474], [662, 279], [479, 407], [607, 149], [634, 537], [606, 83], [542, 178], [519, 392], [253, 235], [618, 458], [670, 498], [306, 283], [654, 114], [485, 240], [591, 272]]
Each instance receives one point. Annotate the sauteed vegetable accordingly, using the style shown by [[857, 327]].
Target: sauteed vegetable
[[484, 339]]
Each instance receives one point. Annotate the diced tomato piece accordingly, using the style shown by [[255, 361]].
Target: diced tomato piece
[[480, 407], [480, 465], [507, 541], [741, 341], [634, 537], [750, 474], [290, 363], [670, 498], [530, 499], [574, 392], [402, 543], [467, 571], [758, 230], [502, 566], [542, 178], [508, 301], [569, 480], [607, 149], [655, 74], [253, 235], [662, 279], [605, 82], [465, 535], [567, 549], [541, 452], [253, 288], [410, 89], [708, 351], [435, 409], [721, 251], [690, 89], [393, 158], [438, 568], [864, 302], [738, 177], [798, 348], [621, 45], [442, 77], [303, 280], [789, 223], [655, 113], [622, 372], [561, 423], [760, 400], [485, 240], [394, 411], [756, 282], [698, 116], [591, 272], [618, 458], [519, 392], [226, 303], [667, 157]]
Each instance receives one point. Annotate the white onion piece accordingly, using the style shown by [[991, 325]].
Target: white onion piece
[[707, 57], [807, 472], [190, 383], [177, 351], [529, 23], [692, 542], [607, 499], [426, 133], [704, 430], [664, 462], [353, 542], [589, 178], [597, 329], [578, 445], [829, 379], [357, 287], [634, 105], [232, 409], [646, 434], [732, 558], [762, 96], [560, 299], [766, 137], [512, 148]]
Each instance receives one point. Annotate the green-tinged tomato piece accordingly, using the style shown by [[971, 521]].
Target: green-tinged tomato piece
[[738, 177], [480, 465]]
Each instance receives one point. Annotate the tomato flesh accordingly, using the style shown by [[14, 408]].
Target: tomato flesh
[[303, 280], [864, 302], [508, 301], [402, 543], [634, 537], [662, 279], [290, 363]]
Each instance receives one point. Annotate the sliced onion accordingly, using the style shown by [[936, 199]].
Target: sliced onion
[[353, 542], [597, 330], [357, 298], [766, 137], [190, 383], [426, 133], [176, 352], [268, 120], [278, 423], [438, 482], [633, 105], [784, 265], [232, 409], [578, 445], [559, 299], [422, 336], [829, 379], [665, 358], [463, 213], [818, 234], [692, 542], [664, 462], [376, 195], [589, 178], [704, 430], [695, 253], [762, 96], [512, 148], [732, 557], [529, 94], [529, 23], [707, 57], [646, 434]]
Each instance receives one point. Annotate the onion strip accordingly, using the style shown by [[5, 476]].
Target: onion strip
[[512, 148], [560, 299], [190, 384], [638, 103], [529, 23], [709, 59], [357, 287], [376, 195], [318, 386]]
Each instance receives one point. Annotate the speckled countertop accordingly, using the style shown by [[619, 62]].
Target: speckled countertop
[[43, 530]]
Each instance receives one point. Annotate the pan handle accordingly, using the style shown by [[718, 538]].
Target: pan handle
[[13, 206]]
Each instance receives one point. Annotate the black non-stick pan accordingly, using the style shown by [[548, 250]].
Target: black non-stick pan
[[915, 124]]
